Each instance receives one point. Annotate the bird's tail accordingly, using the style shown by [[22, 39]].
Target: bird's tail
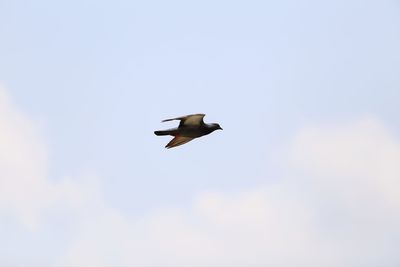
[[165, 132]]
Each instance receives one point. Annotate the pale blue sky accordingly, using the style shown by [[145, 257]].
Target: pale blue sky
[[97, 77]]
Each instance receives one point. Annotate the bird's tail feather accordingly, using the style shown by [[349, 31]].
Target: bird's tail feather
[[165, 132]]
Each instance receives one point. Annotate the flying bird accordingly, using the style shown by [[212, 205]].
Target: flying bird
[[190, 127]]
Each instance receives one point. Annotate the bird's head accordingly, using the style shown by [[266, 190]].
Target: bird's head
[[216, 126]]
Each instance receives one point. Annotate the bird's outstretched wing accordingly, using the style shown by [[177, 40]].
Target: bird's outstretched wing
[[178, 140], [189, 120]]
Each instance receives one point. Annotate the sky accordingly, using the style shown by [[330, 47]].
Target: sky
[[305, 173]]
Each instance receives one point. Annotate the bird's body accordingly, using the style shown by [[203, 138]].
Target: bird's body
[[190, 127]]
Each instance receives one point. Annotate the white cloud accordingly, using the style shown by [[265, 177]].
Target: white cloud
[[338, 207], [351, 174], [257, 227], [25, 190], [360, 163]]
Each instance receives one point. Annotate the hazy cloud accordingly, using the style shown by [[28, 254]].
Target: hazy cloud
[[25, 188], [338, 206]]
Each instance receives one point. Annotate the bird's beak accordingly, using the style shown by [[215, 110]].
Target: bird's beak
[[220, 128]]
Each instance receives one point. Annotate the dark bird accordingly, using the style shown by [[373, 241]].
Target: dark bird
[[190, 127]]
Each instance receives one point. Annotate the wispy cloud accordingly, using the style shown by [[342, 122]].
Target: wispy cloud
[[337, 204], [337, 207], [358, 162], [26, 191]]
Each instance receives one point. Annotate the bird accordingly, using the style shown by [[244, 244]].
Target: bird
[[190, 127]]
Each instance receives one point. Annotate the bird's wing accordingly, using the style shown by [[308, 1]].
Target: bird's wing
[[189, 120], [178, 140]]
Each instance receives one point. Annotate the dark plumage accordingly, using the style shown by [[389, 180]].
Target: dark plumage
[[190, 127]]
